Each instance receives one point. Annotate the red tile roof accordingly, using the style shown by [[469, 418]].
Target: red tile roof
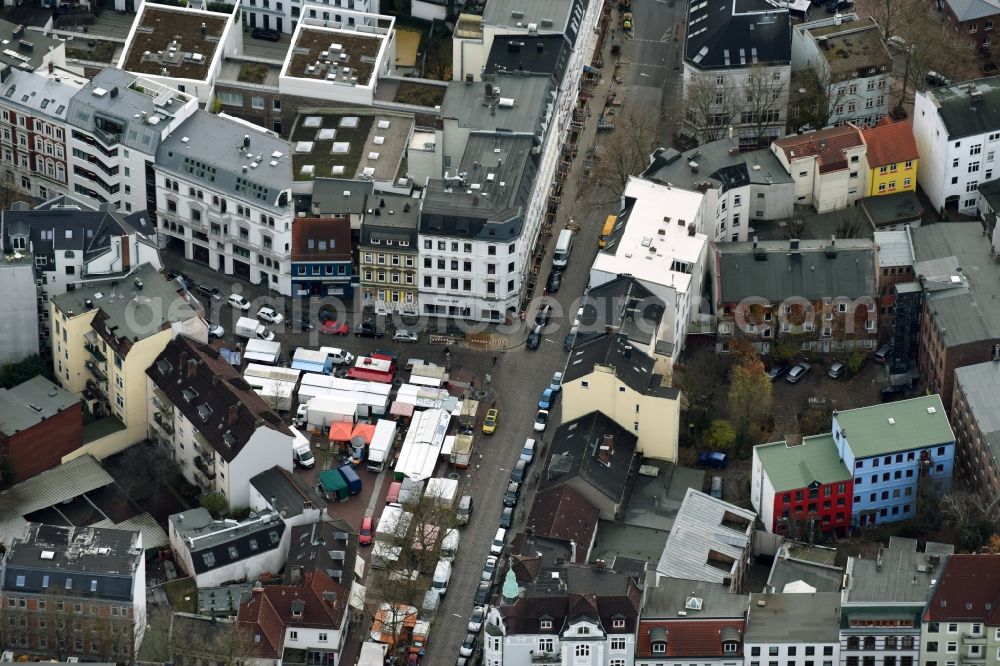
[[687, 638], [890, 142], [827, 146], [269, 610], [563, 513], [968, 589], [333, 232]]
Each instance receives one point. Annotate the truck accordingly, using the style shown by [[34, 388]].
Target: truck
[[352, 479], [381, 445], [372, 653], [467, 416], [252, 329], [301, 453], [324, 410], [310, 360], [262, 351], [461, 451], [375, 368], [442, 491]]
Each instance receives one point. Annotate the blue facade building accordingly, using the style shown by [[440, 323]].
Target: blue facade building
[[896, 451], [322, 257]]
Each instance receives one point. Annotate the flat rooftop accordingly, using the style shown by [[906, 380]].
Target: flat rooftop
[[174, 42], [896, 426], [637, 247], [900, 573], [851, 46], [893, 248], [340, 56], [513, 102], [349, 143], [794, 618], [24, 48], [30, 403], [258, 73]]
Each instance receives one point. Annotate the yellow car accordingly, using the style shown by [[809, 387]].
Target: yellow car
[[490, 424]]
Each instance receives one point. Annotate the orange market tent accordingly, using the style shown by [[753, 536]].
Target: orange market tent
[[340, 431], [365, 430]]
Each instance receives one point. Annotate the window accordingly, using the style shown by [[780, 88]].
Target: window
[[617, 644], [293, 635], [582, 651], [545, 624], [322, 637], [932, 646]]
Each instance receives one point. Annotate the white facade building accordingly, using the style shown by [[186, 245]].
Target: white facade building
[[223, 189], [828, 166], [958, 143], [660, 241], [794, 629], [284, 15]]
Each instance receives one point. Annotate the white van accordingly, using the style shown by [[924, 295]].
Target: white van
[[449, 544], [442, 574], [496, 548], [564, 245], [338, 356]]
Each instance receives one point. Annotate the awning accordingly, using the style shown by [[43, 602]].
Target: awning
[[340, 431], [449, 445], [657, 635], [357, 598], [401, 409], [365, 431]]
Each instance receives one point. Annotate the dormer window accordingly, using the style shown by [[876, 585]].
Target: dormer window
[[658, 640], [618, 624], [545, 624], [19, 242], [730, 647]]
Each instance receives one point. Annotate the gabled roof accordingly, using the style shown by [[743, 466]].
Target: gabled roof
[[286, 493], [631, 366], [330, 546], [214, 544], [317, 603], [689, 638], [83, 229], [960, 116], [793, 467], [594, 449], [972, 10], [212, 395], [896, 426], [724, 34], [889, 142], [827, 146], [564, 514], [968, 590], [321, 239]]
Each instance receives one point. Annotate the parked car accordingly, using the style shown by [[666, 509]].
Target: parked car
[[482, 594], [512, 495], [716, 488], [366, 329], [543, 315], [464, 512], [490, 569], [507, 517], [775, 372], [334, 328], [184, 280], [265, 34], [476, 619], [404, 335], [534, 338], [541, 420], [238, 302], [468, 645], [365, 535], [892, 392], [570, 340], [835, 6], [528, 451], [554, 282], [209, 291], [270, 315], [716, 459], [547, 398], [214, 330], [935, 79], [882, 353], [837, 370], [797, 372], [556, 382], [491, 421], [517, 473]]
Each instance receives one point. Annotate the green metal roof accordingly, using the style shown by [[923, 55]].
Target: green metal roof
[[793, 467], [896, 426]]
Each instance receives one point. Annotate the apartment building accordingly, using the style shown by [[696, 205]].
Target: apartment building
[[958, 137], [818, 294], [666, 253], [898, 583], [739, 187], [75, 592], [803, 482], [284, 16], [852, 69], [894, 251], [39, 424], [105, 334], [972, 20], [211, 421], [827, 166], [563, 613], [224, 194], [711, 541], [976, 421], [286, 620], [960, 624], [892, 158], [793, 628], [69, 242], [21, 325], [609, 375], [322, 257], [953, 331], [737, 71], [897, 451], [116, 122], [388, 257]]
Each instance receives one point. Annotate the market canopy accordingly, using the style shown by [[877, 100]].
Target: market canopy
[[340, 431]]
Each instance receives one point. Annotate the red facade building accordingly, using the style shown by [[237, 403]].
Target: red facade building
[[39, 424]]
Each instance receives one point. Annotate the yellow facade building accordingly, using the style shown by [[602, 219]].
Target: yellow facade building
[[891, 154]]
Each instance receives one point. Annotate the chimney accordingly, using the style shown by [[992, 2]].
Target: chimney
[[691, 229], [233, 414], [183, 358], [833, 241], [51, 67], [204, 29], [755, 239], [192, 368]]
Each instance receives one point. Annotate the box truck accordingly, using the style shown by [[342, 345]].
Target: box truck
[[252, 329], [352, 479], [381, 445], [301, 453]]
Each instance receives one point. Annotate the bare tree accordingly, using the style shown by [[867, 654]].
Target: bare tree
[[888, 14], [626, 152], [765, 95], [710, 106], [815, 98]]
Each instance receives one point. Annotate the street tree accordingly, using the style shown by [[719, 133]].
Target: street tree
[[710, 106], [749, 391], [626, 152], [765, 95], [721, 436], [814, 99]]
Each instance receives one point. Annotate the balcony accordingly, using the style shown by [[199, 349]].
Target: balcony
[[163, 424], [206, 468], [96, 389], [96, 371], [974, 639], [162, 407], [96, 353], [546, 658]]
